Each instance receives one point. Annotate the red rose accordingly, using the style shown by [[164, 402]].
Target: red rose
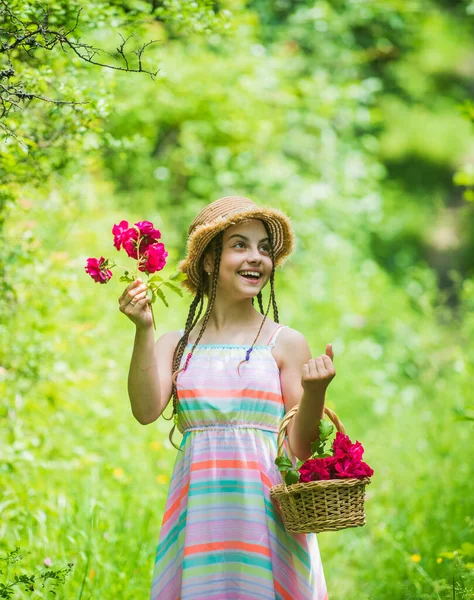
[[344, 469], [341, 441], [154, 258], [344, 448], [315, 469], [345, 463], [362, 469], [348, 468], [120, 233], [356, 451], [146, 228], [97, 269], [148, 234]]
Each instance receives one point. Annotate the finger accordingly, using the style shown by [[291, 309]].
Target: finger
[[329, 351], [139, 295], [135, 291], [133, 306], [313, 371], [142, 302], [129, 287], [136, 300], [305, 371], [321, 368], [328, 363]]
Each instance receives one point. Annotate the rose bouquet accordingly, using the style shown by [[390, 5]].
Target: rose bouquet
[[140, 242], [342, 461]]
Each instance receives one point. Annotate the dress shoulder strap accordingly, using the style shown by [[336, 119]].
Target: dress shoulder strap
[[273, 337]]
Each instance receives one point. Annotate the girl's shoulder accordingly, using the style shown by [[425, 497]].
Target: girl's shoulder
[[285, 340]]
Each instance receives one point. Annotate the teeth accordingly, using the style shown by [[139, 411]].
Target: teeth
[[252, 274]]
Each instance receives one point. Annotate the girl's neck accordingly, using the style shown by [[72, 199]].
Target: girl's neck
[[233, 333]]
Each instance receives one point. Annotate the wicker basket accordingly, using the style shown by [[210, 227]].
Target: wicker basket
[[315, 506]]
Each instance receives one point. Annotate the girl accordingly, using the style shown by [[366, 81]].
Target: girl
[[221, 535]]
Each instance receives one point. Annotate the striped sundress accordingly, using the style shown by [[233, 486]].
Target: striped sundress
[[221, 536]]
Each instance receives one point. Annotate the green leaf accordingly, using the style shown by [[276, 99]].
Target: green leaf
[[322, 455], [155, 278], [292, 477], [325, 430], [178, 275], [283, 463], [162, 296], [174, 288], [125, 278]]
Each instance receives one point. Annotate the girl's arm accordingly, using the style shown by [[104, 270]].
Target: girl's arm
[[149, 377], [304, 426]]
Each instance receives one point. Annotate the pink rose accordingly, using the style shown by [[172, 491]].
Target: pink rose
[[352, 469], [344, 469], [344, 448], [154, 258], [120, 234], [341, 441], [362, 469], [148, 234], [345, 463], [315, 469], [146, 228], [97, 269], [356, 451]]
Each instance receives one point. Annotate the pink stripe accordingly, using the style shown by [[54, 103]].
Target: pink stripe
[[235, 393]]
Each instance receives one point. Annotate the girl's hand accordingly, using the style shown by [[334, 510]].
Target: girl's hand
[[318, 372], [135, 304]]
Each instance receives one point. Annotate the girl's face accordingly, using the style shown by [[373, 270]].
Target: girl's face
[[245, 246]]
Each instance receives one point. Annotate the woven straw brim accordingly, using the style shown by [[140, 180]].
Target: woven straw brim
[[278, 223]]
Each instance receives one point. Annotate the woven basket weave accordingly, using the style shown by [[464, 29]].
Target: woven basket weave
[[315, 506]]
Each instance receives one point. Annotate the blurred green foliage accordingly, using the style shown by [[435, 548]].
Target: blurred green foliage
[[354, 118]]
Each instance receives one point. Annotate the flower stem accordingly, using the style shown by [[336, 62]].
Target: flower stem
[[120, 266]]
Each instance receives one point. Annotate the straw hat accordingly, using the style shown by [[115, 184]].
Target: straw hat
[[223, 213]]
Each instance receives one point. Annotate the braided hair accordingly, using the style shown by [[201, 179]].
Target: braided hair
[[214, 245]]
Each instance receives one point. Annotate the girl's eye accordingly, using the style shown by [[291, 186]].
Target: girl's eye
[[267, 248]]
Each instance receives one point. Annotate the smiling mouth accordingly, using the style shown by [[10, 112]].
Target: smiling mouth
[[250, 278]]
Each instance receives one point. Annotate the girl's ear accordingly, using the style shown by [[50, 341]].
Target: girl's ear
[[208, 262]]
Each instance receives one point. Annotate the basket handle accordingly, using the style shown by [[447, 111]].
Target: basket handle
[[284, 424]]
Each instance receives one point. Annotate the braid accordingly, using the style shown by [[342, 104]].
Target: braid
[[271, 300], [260, 301], [272, 294], [272, 280], [191, 322], [179, 350]]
